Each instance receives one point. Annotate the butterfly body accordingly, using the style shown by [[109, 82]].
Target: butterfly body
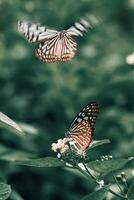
[[53, 45], [60, 47], [82, 128]]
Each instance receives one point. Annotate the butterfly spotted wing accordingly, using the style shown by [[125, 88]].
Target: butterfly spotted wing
[[82, 128], [53, 45]]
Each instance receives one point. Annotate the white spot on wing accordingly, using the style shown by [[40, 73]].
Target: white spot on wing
[[79, 120]]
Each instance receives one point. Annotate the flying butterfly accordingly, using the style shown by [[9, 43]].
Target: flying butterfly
[[55, 45], [82, 127]]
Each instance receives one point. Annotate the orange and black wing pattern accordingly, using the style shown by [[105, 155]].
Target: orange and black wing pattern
[[82, 128]]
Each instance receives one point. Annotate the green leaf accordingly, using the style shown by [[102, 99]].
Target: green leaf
[[106, 166], [5, 191], [9, 154], [15, 195], [98, 143], [130, 193], [16, 155], [74, 171], [42, 162], [3, 149], [2, 177], [97, 195], [28, 128], [95, 144], [8, 123]]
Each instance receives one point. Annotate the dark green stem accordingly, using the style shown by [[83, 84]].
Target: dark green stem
[[117, 182], [96, 181], [118, 195], [126, 185]]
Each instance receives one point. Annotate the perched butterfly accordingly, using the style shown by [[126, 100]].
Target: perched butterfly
[[82, 128], [54, 45]]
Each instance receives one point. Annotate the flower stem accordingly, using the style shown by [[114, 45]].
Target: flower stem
[[93, 177], [116, 194], [96, 181], [117, 182]]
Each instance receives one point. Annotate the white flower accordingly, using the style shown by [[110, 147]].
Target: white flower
[[60, 146], [58, 155], [110, 156], [130, 59], [54, 147], [101, 183]]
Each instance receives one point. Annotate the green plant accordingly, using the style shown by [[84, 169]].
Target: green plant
[[75, 162]]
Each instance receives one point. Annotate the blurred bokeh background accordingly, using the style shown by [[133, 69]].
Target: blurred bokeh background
[[48, 96]]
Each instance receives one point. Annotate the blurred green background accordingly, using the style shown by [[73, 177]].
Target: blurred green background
[[48, 96]]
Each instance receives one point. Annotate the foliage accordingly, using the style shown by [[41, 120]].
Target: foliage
[[106, 166], [41, 162], [6, 121], [131, 191], [100, 194], [5, 191], [70, 158]]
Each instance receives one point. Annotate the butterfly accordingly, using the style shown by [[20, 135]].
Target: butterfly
[[81, 129], [54, 45]]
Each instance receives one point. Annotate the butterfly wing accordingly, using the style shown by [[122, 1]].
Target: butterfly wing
[[82, 127], [53, 45], [79, 28], [35, 32], [83, 25], [57, 48]]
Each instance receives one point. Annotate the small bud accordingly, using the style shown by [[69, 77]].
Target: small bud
[[118, 176], [110, 156], [106, 157], [123, 176], [102, 158], [58, 155], [101, 183]]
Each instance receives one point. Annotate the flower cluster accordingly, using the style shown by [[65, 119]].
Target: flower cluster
[[67, 150], [61, 146]]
